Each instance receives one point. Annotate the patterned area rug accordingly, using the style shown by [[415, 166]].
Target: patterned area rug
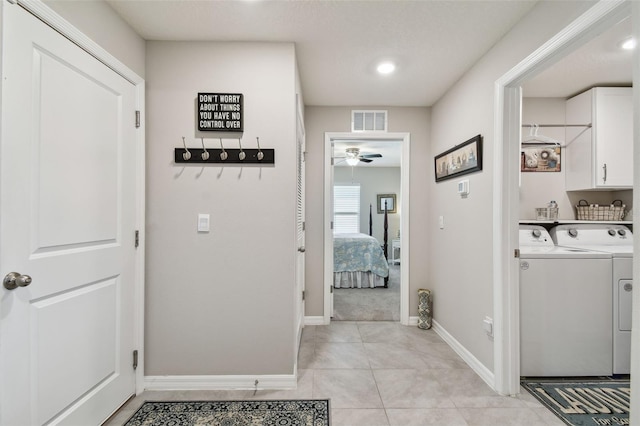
[[233, 413], [584, 403]]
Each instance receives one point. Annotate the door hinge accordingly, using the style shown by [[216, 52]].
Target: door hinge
[[304, 226], [137, 119], [304, 156], [331, 289], [302, 294], [137, 239], [331, 224], [516, 253], [135, 359]]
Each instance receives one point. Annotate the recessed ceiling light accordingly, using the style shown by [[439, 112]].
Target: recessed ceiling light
[[386, 67], [629, 44]]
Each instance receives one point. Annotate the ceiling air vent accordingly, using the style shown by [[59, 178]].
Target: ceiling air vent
[[368, 121]]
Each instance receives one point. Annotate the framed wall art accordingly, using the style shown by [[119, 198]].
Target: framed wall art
[[459, 160], [388, 200], [540, 159]]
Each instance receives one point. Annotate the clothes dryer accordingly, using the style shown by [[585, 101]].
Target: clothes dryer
[[565, 308], [617, 240]]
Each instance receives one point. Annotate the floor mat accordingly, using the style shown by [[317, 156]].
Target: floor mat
[[233, 413], [584, 403]]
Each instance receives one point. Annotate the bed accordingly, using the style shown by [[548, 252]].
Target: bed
[[359, 261]]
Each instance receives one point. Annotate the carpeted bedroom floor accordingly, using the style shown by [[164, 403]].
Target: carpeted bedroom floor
[[369, 304]]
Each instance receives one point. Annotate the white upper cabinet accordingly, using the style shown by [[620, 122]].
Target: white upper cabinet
[[600, 157]]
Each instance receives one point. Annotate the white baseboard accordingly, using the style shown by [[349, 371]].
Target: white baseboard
[[319, 320], [284, 381], [473, 362]]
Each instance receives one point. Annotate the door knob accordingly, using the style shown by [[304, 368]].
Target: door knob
[[301, 249], [14, 280]]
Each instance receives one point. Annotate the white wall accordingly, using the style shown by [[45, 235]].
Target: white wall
[[374, 181], [220, 303], [460, 255], [319, 120], [537, 189], [103, 25]]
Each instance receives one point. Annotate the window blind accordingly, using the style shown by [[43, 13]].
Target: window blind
[[346, 209]]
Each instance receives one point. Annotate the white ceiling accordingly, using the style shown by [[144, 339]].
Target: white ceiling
[[600, 62], [338, 44]]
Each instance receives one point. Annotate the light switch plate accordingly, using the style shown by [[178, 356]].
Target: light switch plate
[[203, 222], [463, 188], [487, 325]]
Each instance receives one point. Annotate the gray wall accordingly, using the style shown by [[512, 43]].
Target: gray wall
[[99, 22], [319, 120], [374, 181], [460, 256], [537, 189], [220, 302]]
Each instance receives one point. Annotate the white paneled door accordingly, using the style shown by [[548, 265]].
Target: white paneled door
[[67, 220]]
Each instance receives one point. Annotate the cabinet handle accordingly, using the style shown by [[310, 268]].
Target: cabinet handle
[[604, 178]]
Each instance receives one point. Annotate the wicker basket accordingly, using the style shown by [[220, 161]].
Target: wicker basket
[[614, 211]]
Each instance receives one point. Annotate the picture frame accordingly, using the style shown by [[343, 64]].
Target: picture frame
[[459, 160], [540, 159], [390, 200]]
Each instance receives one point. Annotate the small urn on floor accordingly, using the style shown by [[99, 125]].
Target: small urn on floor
[[425, 308]]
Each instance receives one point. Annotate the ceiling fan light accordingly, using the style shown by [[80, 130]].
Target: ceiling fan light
[[352, 161]]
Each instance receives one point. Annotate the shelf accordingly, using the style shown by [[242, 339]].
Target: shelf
[[564, 221]]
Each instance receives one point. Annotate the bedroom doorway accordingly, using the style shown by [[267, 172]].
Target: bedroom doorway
[[386, 178]]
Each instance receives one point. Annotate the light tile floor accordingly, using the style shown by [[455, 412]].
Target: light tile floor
[[383, 374]]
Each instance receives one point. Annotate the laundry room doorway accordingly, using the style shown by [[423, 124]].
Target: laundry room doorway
[[375, 183], [508, 131]]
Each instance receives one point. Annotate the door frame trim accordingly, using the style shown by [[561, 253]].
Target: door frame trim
[[405, 284], [65, 28], [507, 128]]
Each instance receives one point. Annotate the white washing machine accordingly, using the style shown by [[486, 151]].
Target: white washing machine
[[565, 308], [617, 240]]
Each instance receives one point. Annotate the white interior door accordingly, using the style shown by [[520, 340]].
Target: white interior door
[[67, 219]]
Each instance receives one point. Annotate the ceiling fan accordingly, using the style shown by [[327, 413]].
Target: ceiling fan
[[353, 156]]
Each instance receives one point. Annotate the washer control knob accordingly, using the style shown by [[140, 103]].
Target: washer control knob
[[612, 232], [622, 232], [536, 233], [573, 232]]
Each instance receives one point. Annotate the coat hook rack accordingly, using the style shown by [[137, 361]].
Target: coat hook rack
[[223, 156]]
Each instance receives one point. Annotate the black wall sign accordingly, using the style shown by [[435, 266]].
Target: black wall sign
[[220, 112]]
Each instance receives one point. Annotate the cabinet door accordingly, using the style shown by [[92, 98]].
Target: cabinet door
[[613, 127], [578, 161]]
